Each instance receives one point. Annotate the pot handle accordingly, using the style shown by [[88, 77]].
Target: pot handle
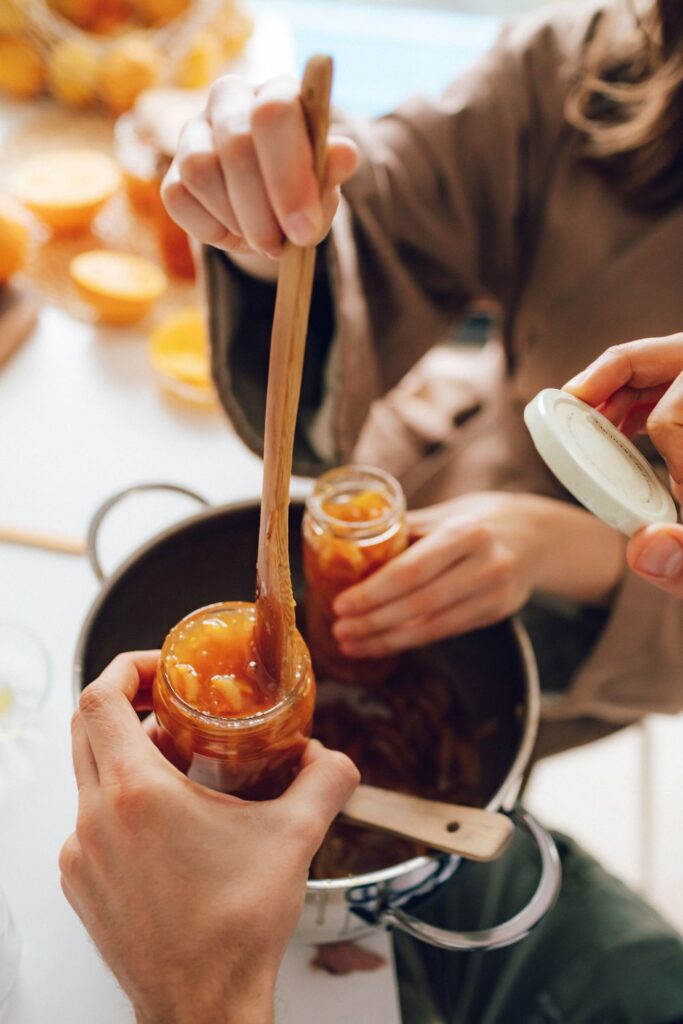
[[511, 931], [106, 507]]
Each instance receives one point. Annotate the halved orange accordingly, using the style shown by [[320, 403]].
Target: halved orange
[[13, 238], [120, 286], [179, 351], [67, 187]]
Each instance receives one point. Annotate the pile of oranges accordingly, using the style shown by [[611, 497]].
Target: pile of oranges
[[109, 51]]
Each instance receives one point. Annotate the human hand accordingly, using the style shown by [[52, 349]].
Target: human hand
[[190, 896], [474, 560], [243, 178], [639, 386]]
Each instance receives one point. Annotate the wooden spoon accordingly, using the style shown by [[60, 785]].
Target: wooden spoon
[[466, 831], [275, 620]]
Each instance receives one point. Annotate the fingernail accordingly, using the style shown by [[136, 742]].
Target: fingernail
[[301, 228], [662, 556]]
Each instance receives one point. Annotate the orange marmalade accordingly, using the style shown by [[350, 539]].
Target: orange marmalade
[[234, 729], [354, 523]]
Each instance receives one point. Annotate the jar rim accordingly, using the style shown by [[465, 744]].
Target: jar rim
[[343, 475], [258, 718]]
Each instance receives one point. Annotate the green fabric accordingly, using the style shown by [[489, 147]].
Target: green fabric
[[602, 955]]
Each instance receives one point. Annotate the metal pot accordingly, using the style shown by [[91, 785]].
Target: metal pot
[[211, 556]]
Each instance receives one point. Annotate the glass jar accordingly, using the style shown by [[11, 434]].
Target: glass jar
[[354, 523], [144, 167], [234, 729]]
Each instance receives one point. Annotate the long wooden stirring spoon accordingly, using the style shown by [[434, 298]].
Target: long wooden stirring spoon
[[467, 831], [275, 620]]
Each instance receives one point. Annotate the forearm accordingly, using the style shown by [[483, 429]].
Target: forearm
[[580, 558]]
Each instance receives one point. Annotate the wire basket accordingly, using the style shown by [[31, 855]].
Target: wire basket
[[144, 43]]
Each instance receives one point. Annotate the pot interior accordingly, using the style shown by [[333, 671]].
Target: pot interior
[[212, 556]]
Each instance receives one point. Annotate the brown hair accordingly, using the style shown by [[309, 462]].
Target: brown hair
[[627, 103]]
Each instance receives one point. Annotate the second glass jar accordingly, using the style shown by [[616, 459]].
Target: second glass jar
[[354, 523]]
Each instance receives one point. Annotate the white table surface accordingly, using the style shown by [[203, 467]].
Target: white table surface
[[80, 418]]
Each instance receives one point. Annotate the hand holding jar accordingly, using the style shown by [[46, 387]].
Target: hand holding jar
[[474, 561], [173, 880]]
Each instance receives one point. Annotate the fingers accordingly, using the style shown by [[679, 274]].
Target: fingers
[[639, 364], [467, 577], [164, 743], [231, 111], [477, 610], [325, 782], [656, 554], [112, 726], [665, 427], [285, 158], [85, 766], [414, 568], [201, 173], [192, 217], [628, 408], [243, 178]]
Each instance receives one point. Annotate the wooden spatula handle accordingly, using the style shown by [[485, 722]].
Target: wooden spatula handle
[[274, 598], [47, 541], [466, 831]]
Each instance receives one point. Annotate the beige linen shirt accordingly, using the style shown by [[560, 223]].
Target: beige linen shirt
[[482, 194]]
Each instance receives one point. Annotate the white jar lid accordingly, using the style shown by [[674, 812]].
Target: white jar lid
[[596, 463]]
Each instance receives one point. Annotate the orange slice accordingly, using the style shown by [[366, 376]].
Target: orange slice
[[13, 238], [122, 287], [179, 351], [66, 188]]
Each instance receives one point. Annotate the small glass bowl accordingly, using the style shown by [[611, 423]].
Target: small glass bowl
[[25, 678]]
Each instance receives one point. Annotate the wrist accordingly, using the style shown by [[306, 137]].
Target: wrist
[[578, 556], [198, 1006]]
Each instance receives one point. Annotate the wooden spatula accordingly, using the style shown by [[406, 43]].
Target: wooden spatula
[[466, 831], [275, 621]]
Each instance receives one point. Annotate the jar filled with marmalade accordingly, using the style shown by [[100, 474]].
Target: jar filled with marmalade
[[234, 727], [354, 523]]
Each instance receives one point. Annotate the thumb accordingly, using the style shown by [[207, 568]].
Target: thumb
[[325, 782], [656, 554]]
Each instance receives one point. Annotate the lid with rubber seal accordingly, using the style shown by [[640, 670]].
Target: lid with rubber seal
[[596, 463]]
